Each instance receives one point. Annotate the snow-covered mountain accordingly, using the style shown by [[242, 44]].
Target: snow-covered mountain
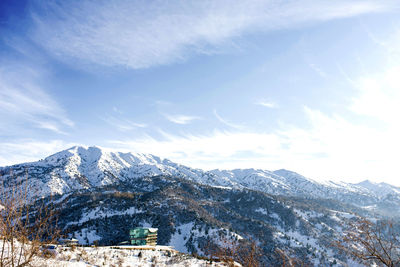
[[101, 194], [93, 167], [90, 167]]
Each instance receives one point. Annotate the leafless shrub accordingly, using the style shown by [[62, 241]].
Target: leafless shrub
[[289, 261], [24, 228], [248, 254], [176, 258], [372, 242], [120, 261], [84, 254], [105, 259], [78, 256]]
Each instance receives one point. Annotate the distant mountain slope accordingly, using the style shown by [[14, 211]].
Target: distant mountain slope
[[82, 168], [380, 189]]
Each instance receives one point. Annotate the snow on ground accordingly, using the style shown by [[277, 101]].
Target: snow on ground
[[272, 215], [107, 256], [100, 213], [306, 215], [371, 207], [87, 236], [275, 216], [145, 224], [178, 240], [61, 199], [262, 211], [123, 256], [189, 230], [299, 240], [339, 215], [296, 239]]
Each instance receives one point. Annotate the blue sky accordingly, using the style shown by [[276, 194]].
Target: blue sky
[[310, 86]]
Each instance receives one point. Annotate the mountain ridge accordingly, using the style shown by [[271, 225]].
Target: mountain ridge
[[85, 168]]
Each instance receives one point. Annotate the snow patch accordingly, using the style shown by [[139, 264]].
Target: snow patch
[[179, 238]]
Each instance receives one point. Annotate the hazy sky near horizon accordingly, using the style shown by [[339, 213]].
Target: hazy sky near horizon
[[309, 86]]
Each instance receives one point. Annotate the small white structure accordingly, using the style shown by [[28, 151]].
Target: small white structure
[[69, 241]]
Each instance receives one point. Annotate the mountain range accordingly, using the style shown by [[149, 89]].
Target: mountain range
[[83, 168]]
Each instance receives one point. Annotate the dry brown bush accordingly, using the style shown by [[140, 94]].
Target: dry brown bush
[[289, 261], [231, 251], [24, 228], [248, 254], [372, 242]]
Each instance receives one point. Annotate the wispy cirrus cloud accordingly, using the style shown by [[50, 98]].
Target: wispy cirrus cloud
[[318, 70], [180, 119], [226, 122], [267, 104], [137, 34], [122, 124], [24, 104]]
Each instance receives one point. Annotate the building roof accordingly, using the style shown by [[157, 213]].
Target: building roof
[[151, 230]]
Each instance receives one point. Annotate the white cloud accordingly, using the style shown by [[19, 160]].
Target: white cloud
[[25, 104], [267, 104], [136, 34], [27, 150], [180, 119], [379, 96], [334, 146], [205, 151]]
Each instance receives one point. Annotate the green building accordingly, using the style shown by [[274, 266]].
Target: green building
[[141, 236]]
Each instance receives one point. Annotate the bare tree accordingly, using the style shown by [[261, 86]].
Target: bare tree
[[248, 254], [24, 226], [372, 242], [289, 261], [229, 251]]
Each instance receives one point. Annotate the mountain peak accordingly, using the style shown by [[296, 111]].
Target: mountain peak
[[366, 182], [87, 152]]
